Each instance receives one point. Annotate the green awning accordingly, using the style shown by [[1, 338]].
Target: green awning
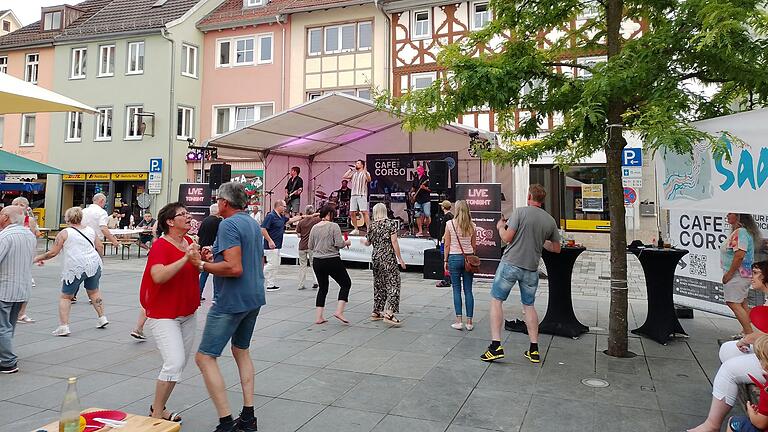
[[14, 164]]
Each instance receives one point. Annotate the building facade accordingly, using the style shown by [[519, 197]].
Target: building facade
[[9, 22]]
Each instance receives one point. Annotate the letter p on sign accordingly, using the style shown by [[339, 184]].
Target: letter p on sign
[[632, 157]]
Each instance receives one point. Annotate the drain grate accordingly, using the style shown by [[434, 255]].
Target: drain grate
[[595, 382]]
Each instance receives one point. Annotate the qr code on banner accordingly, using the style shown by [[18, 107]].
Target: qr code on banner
[[698, 265]]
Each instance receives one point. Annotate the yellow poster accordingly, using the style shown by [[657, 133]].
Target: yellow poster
[[73, 177], [97, 176], [129, 176], [592, 197]]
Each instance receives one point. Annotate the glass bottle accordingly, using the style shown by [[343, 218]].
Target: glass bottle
[[70, 408]]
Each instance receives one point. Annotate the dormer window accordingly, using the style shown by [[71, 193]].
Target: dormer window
[[254, 3], [52, 21]]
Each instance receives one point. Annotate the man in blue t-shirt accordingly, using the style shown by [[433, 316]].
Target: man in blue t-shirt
[[235, 261], [273, 228]]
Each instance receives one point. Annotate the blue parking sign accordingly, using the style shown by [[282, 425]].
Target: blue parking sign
[[632, 157], [155, 165]]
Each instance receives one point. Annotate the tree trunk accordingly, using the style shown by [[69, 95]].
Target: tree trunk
[[617, 326]]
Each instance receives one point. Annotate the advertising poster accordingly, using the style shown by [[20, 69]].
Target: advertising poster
[[484, 201], [254, 185], [395, 172], [196, 197], [698, 279], [592, 197]]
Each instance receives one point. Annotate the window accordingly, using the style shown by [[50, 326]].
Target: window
[[228, 118], [104, 124], [4, 64], [331, 39], [313, 95], [315, 42], [135, 58], [253, 3], [189, 60], [364, 36], [223, 58], [52, 21], [106, 60], [74, 127], [421, 24], [480, 15], [77, 70], [422, 80], [244, 51], [30, 71], [6, 25], [364, 93], [133, 122], [184, 122], [265, 49], [27, 129], [348, 38]]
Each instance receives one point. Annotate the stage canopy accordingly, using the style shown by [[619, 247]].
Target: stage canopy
[[18, 96]]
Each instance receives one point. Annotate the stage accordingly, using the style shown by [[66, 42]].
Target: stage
[[411, 248]]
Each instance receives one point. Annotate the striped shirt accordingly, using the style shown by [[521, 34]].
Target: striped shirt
[[17, 250], [360, 182]]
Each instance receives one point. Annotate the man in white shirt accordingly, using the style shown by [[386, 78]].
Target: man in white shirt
[[96, 217], [360, 177]]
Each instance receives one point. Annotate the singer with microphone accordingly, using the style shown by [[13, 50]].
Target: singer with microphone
[[358, 202], [293, 190]]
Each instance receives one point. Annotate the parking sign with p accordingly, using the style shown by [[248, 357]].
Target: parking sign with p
[[155, 165], [632, 157]]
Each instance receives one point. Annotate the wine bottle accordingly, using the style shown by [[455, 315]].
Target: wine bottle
[[70, 408]]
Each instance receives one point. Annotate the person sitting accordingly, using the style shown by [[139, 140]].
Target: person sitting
[[757, 415], [148, 225], [114, 220]]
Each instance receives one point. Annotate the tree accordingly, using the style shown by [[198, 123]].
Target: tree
[[647, 85]]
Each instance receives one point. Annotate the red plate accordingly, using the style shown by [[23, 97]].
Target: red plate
[[111, 415]]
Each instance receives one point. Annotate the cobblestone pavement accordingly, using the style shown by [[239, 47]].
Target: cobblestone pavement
[[363, 377]]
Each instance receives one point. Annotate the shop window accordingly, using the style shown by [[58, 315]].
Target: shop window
[[592, 207]]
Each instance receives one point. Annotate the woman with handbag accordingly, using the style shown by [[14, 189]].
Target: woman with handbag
[[382, 234], [460, 260], [82, 265]]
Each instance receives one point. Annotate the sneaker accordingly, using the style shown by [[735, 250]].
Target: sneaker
[[102, 322], [489, 356], [227, 427], [354, 232], [62, 330], [470, 327], [247, 425], [315, 286], [443, 284], [273, 288], [24, 319], [138, 334], [9, 369], [302, 288], [74, 300], [533, 356], [457, 326]]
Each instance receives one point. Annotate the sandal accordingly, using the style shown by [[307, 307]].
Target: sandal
[[340, 318], [392, 320], [172, 416], [376, 316]]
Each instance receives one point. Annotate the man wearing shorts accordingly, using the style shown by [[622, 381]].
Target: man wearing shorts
[[421, 204], [358, 202], [238, 279], [526, 232]]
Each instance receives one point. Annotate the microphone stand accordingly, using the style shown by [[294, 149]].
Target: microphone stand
[[314, 186], [272, 191]]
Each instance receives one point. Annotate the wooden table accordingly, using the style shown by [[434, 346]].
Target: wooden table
[[135, 423]]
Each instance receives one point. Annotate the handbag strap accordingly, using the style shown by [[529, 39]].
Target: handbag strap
[[458, 239], [84, 236]]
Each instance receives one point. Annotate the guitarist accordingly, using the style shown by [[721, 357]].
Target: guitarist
[[420, 191], [293, 190]]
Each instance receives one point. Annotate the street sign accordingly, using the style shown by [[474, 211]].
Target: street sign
[[635, 183], [632, 157], [632, 172], [155, 183], [155, 165], [630, 196]]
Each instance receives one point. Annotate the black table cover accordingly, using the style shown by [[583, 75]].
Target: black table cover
[[560, 319], [659, 269]]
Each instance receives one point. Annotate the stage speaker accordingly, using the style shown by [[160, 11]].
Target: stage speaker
[[438, 175], [220, 173], [433, 264]]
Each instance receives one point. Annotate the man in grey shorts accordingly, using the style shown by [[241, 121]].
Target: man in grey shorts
[[527, 231], [360, 178]]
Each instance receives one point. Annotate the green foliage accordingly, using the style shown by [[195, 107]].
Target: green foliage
[[653, 77]]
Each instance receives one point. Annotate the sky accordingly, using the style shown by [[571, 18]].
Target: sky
[[28, 11]]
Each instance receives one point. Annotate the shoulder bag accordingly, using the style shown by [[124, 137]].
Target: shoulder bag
[[84, 236], [471, 262]]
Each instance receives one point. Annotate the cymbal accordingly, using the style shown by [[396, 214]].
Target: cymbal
[[320, 194]]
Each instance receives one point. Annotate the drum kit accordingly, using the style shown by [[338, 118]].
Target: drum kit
[[342, 207]]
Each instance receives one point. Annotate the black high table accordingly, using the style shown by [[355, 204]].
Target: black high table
[[659, 269], [560, 319]]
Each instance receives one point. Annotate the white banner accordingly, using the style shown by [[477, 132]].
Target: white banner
[[699, 181], [699, 274], [411, 249]]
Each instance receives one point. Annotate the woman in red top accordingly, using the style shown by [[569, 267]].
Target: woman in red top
[[170, 295]]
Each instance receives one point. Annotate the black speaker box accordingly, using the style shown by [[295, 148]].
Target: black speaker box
[[220, 173], [433, 264], [438, 175]]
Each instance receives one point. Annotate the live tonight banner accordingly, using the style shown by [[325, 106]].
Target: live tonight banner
[[395, 172], [196, 197], [484, 201]]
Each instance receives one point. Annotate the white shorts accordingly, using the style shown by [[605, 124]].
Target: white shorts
[[358, 203], [737, 289]]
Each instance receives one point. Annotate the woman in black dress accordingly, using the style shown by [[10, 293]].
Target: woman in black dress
[[382, 234]]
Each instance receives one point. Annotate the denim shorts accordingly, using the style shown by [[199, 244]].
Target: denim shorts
[[506, 277], [424, 209], [742, 424], [221, 327], [91, 283]]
